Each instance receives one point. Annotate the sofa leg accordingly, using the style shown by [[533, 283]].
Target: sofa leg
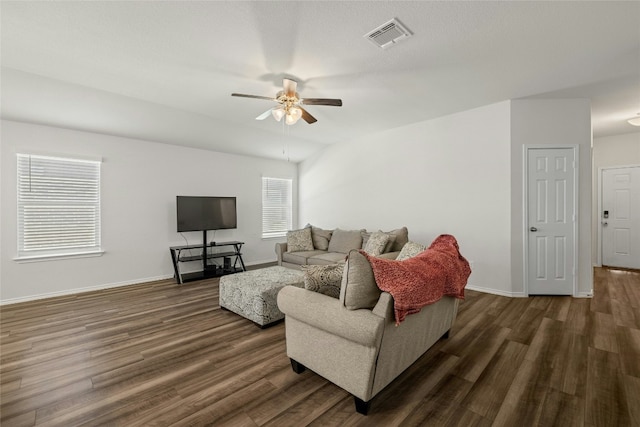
[[362, 407], [446, 335], [298, 368]]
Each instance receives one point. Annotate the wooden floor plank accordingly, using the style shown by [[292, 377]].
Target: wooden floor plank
[[306, 411], [603, 332], [625, 315], [629, 281], [568, 373], [606, 402], [526, 327], [629, 354], [523, 403], [391, 408], [562, 410], [161, 353], [298, 389], [488, 392], [481, 352], [440, 404], [558, 308], [578, 317], [632, 392]]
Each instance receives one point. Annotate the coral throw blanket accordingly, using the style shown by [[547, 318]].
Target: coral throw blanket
[[424, 279]]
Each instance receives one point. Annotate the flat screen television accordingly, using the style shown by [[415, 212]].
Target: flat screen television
[[206, 213]]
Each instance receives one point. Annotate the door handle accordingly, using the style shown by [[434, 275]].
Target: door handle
[[533, 229]]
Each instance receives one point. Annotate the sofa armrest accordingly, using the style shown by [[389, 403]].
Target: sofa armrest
[[280, 249], [384, 306], [327, 313]]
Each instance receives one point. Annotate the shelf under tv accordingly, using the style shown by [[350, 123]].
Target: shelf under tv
[[199, 275], [206, 254]]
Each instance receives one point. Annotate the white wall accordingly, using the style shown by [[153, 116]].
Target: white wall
[[611, 151], [140, 181], [618, 150], [557, 122], [448, 175], [460, 174]]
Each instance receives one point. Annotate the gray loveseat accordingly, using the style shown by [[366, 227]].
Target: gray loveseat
[[353, 341], [325, 247]]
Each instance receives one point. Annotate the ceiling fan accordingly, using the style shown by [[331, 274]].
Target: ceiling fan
[[290, 104]]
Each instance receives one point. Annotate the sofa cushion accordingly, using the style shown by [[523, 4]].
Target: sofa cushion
[[376, 243], [402, 237], [358, 289], [325, 279], [367, 234], [324, 258], [301, 257], [410, 249], [299, 240], [345, 240], [391, 244], [365, 237], [320, 237], [389, 255]]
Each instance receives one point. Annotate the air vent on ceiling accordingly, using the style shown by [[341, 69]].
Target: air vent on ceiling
[[388, 34]]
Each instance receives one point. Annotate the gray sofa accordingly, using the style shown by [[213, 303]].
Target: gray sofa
[[332, 246], [353, 341]]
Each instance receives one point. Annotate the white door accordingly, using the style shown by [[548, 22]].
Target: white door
[[620, 217], [551, 201]]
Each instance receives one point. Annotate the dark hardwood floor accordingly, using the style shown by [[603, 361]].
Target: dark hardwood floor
[[166, 354]]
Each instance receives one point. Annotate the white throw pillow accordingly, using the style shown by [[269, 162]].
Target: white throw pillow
[[409, 250], [376, 243], [299, 240]]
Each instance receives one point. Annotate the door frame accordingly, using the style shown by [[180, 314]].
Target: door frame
[[598, 216], [525, 209]]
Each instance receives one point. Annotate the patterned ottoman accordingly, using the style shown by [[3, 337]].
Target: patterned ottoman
[[252, 294]]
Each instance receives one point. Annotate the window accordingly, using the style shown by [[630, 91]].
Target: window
[[58, 206], [276, 207]]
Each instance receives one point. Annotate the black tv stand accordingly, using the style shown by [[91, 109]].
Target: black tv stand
[[206, 253]]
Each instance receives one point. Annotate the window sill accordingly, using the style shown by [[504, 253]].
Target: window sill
[[284, 236], [53, 257]]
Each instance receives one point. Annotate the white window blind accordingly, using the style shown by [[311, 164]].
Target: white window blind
[[277, 207], [58, 206]]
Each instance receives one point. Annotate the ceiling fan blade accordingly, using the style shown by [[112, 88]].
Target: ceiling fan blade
[[307, 117], [322, 101], [264, 115], [289, 87], [242, 95]]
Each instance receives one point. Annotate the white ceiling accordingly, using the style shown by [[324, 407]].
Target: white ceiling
[[165, 70]]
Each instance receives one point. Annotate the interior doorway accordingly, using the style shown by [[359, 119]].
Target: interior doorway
[[551, 249], [619, 214]]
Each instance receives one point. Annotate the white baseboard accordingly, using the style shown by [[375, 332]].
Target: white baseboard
[[584, 295], [268, 261], [152, 279], [82, 290], [105, 286], [496, 292], [517, 294]]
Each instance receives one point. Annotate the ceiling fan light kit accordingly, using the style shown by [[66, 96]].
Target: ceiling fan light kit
[[277, 113], [293, 115], [291, 104]]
